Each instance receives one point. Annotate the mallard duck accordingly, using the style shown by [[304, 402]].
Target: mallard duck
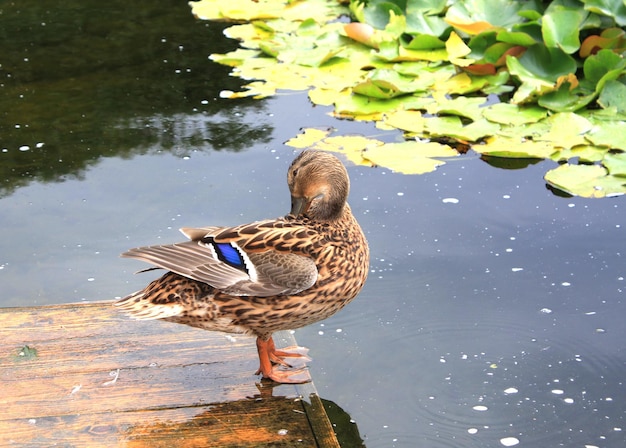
[[265, 276]]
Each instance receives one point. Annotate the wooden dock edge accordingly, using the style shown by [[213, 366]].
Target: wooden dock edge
[[82, 374]]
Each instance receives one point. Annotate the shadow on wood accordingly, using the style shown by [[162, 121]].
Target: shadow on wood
[[84, 375]]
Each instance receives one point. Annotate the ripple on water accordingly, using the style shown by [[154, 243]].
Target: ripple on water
[[498, 384]]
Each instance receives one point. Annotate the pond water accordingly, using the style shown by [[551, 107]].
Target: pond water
[[494, 311]]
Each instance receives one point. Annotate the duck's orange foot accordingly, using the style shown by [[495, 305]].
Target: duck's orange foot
[[294, 351], [282, 372], [288, 376]]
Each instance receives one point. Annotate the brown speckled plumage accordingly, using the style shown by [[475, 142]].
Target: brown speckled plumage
[[265, 276]]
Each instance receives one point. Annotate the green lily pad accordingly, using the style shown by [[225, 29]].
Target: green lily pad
[[613, 97], [616, 164], [497, 13], [560, 28], [611, 8], [385, 84]]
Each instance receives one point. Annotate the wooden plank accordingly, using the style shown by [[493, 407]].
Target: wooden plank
[[92, 377]]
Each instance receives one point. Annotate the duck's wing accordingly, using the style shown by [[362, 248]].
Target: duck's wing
[[257, 259]]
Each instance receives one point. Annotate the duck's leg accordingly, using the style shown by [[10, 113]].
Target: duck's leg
[[268, 353], [295, 351]]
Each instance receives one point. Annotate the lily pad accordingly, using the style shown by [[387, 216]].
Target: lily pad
[[513, 114], [609, 135], [409, 157], [588, 181], [499, 146], [409, 67], [616, 164]]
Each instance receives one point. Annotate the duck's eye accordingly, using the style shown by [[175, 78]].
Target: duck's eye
[[294, 173]]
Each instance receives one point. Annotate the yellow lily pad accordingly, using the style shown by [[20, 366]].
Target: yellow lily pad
[[351, 146], [609, 134], [309, 137], [567, 130], [457, 50], [500, 146], [409, 157], [513, 114], [584, 153], [248, 10], [588, 181]]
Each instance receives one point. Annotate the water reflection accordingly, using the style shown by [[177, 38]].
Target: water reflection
[[86, 80], [280, 421]]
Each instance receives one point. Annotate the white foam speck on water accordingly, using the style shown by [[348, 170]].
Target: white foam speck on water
[[510, 390], [545, 310], [509, 441], [557, 391], [517, 269], [472, 430], [480, 408], [450, 200]]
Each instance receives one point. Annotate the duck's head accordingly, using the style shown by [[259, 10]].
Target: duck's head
[[319, 185]]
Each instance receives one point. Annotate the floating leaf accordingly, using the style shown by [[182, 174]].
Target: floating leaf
[[408, 62], [612, 38], [497, 13], [616, 164], [453, 127], [308, 137], [500, 146], [407, 120], [609, 135], [409, 157], [584, 153], [589, 181], [513, 114], [560, 28], [352, 146], [614, 95], [385, 84], [567, 130], [457, 50], [611, 8]]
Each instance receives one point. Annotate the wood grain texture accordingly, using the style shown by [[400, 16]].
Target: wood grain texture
[[92, 377]]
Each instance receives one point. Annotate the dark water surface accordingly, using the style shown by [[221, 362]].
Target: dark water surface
[[494, 312]]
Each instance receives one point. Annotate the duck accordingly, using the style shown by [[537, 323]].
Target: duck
[[264, 276]]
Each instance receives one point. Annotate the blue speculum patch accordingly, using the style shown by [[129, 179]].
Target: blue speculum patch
[[228, 254]]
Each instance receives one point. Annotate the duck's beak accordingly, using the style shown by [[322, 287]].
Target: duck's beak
[[299, 206]]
